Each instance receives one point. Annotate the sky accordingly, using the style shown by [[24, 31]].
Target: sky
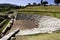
[[24, 2]]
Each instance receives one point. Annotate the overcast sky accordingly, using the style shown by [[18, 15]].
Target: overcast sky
[[24, 2]]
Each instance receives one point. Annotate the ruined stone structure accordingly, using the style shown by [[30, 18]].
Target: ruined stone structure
[[33, 24]]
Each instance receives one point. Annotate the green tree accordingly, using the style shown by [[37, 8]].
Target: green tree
[[44, 3], [57, 2], [41, 2], [29, 4], [34, 4]]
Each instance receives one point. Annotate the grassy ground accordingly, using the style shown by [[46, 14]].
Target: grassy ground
[[53, 11], [57, 15], [53, 36], [4, 25], [42, 8]]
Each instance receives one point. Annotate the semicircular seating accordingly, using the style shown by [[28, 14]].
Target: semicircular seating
[[46, 24]]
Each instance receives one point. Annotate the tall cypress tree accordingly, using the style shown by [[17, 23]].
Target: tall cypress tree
[[41, 2]]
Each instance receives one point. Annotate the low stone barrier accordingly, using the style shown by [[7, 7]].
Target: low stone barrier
[[8, 36]]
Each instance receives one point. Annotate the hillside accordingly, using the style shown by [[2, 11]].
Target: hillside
[[48, 10], [42, 8], [7, 5]]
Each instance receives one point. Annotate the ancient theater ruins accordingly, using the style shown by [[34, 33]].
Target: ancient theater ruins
[[34, 24]]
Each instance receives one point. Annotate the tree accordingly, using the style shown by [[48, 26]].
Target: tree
[[29, 4], [34, 4], [57, 1], [41, 2], [44, 3]]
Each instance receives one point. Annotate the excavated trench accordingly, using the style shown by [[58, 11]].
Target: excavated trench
[[33, 24]]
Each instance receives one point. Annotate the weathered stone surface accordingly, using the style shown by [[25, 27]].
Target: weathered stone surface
[[37, 24]]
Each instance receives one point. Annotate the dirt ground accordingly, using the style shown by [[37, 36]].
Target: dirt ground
[[23, 25]]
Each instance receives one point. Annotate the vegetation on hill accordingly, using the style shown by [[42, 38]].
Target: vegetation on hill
[[7, 7], [41, 10]]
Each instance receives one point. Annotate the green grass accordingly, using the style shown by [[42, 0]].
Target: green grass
[[4, 25], [3, 21], [52, 36], [57, 15], [53, 11], [42, 8]]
